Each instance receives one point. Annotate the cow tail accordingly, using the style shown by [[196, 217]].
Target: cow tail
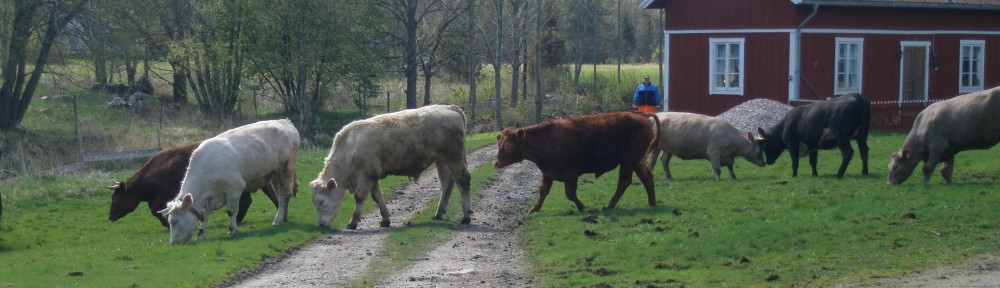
[[866, 115], [653, 145]]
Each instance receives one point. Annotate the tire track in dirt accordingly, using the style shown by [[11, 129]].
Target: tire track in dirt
[[334, 259], [486, 253]]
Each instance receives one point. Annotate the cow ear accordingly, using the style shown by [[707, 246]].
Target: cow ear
[[905, 153], [519, 133], [330, 184], [499, 136], [750, 137], [187, 200], [761, 132]]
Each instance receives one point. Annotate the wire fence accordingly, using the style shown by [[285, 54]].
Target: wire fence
[[897, 116]]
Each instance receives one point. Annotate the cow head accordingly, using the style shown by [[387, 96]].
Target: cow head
[[326, 196], [510, 144], [772, 145], [183, 219], [122, 202], [901, 167], [754, 153]]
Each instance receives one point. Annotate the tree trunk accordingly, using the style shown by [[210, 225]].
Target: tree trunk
[[497, 62], [538, 61], [411, 54], [473, 60], [427, 85], [180, 83]]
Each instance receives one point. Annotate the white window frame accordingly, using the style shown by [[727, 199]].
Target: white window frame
[[979, 67], [713, 89], [858, 65]]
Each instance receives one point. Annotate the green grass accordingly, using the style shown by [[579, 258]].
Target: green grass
[[806, 231], [55, 228]]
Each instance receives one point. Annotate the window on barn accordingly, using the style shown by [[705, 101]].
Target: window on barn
[[725, 66], [847, 77], [970, 73]]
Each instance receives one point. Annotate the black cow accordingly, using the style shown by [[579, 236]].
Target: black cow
[[821, 125]]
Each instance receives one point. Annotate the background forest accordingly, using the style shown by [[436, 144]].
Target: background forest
[[311, 56]]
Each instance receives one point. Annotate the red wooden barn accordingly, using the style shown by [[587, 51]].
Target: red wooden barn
[[720, 53]]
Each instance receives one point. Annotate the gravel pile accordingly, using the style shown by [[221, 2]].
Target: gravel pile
[[755, 113]]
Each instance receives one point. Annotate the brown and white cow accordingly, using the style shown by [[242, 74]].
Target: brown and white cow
[[943, 129], [224, 166], [564, 149], [695, 136], [158, 182], [402, 143]]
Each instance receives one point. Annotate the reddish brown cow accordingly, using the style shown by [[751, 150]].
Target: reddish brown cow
[[158, 182], [563, 149]]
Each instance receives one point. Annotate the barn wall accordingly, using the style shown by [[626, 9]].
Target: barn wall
[[726, 14], [765, 73]]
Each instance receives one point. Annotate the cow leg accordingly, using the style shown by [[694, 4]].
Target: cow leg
[[571, 186], [716, 166], [652, 158], [812, 161], [624, 180], [732, 175], [271, 194], [793, 151], [932, 160], [646, 177], [203, 224], [846, 153], [947, 165], [377, 197], [283, 182], [543, 191], [359, 203], [666, 165], [463, 179], [444, 175], [863, 150], [245, 201], [232, 208]]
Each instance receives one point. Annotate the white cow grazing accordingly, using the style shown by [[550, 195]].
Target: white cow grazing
[[696, 136], [402, 143], [223, 166]]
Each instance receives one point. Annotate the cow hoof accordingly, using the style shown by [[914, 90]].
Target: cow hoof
[[438, 217], [384, 223], [352, 226], [466, 220]]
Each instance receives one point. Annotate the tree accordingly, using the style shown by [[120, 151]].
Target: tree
[[35, 25], [497, 63]]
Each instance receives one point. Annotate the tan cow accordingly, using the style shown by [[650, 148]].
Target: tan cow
[[945, 128], [403, 143], [695, 136]]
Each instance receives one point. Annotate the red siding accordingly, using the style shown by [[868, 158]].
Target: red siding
[[727, 14], [766, 61], [902, 18]]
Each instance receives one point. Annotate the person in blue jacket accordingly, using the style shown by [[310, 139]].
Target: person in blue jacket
[[646, 97]]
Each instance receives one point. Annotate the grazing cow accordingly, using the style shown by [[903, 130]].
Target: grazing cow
[[564, 149], [225, 166], [696, 136], [943, 129], [403, 143], [822, 125], [158, 182]]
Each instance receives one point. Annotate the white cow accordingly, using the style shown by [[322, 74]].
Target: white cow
[[222, 167], [696, 136], [401, 143]]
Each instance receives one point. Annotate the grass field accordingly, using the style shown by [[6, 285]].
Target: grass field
[[766, 228], [57, 233]]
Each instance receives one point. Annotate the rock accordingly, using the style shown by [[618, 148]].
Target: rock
[[755, 113]]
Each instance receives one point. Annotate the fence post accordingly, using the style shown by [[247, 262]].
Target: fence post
[[386, 102], [20, 152]]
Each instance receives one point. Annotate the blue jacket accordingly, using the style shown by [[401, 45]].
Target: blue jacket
[[646, 95]]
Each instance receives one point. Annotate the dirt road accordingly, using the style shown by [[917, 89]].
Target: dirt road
[[483, 254]]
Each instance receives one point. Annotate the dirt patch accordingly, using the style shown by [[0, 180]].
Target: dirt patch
[[485, 253], [978, 271]]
